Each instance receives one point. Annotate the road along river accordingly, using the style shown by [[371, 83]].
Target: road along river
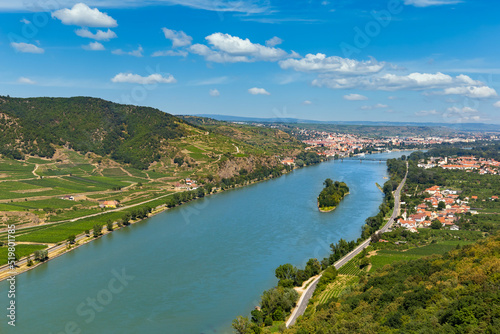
[[195, 268]]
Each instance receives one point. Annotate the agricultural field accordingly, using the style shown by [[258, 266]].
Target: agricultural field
[[22, 250], [334, 290], [350, 268], [386, 256]]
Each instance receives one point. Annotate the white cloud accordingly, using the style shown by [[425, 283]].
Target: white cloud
[[462, 114], [236, 46], [427, 3], [392, 97], [26, 81], [82, 15], [307, 102], [274, 41], [26, 48], [170, 53], [497, 104], [258, 91], [135, 53], [232, 49], [100, 35], [136, 78], [480, 92], [355, 97], [93, 46], [178, 38], [215, 56], [461, 110], [426, 112], [214, 92], [23, 20], [460, 84], [334, 64], [377, 106]]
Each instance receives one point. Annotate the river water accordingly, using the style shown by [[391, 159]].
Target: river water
[[194, 268]]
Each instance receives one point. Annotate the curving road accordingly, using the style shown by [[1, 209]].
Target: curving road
[[304, 299]]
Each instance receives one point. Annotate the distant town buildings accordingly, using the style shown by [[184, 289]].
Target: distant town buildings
[[428, 211], [468, 163]]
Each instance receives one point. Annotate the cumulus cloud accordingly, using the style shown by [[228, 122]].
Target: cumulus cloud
[[227, 48], [460, 84], [322, 64], [93, 46], [462, 114], [135, 53], [355, 97], [100, 35], [462, 110], [427, 3], [214, 92], [258, 91], [170, 53], [23, 20], [178, 38], [497, 104], [479, 92], [215, 56], [84, 16], [26, 81], [307, 102], [274, 41], [26, 48], [149, 80]]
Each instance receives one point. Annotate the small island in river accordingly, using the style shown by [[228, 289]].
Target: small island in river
[[331, 195]]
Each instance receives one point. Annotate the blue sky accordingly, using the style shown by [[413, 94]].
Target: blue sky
[[391, 60]]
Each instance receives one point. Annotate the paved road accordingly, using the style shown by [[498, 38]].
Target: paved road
[[397, 206], [304, 299]]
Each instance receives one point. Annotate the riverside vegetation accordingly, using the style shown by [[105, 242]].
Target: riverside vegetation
[[437, 280], [331, 195], [433, 281]]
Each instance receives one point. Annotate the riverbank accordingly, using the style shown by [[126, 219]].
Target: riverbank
[[56, 250], [202, 252]]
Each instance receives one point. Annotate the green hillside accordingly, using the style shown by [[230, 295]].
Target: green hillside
[[129, 134]]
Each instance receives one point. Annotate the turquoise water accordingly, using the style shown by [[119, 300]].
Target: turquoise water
[[195, 268]]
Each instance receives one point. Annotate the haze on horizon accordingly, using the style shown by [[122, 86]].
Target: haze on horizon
[[391, 60]]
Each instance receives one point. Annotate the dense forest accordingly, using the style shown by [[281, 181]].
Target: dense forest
[[127, 133], [332, 194], [458, 292]]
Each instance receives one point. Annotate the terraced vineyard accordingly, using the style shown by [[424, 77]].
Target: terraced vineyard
[[341, 283], [350, 268]]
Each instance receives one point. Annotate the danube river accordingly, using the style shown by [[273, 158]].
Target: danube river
[[194, 268]]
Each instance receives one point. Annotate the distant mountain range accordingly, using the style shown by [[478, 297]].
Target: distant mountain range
[[454, 126]]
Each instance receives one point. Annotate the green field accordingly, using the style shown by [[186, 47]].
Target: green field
[[350, 268], [21, 251], [385, 256]]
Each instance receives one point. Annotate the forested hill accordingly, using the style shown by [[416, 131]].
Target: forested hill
[[127, 133]]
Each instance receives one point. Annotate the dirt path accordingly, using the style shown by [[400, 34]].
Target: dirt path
[[34, 171]]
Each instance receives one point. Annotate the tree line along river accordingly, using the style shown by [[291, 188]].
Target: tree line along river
[[194, 268]]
